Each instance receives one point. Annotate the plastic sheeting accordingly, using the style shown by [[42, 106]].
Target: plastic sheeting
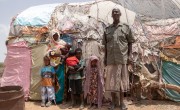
[[100, 11], [174, 60], [171, 75], [75, 17], [17, 66], [159, 32], [37, 53], [156, 30], [153, 8], [67, 38], [35, 16]]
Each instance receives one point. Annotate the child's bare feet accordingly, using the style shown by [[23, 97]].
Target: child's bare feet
[[71, 106], [42, 104], [81, 107], [48, 104]]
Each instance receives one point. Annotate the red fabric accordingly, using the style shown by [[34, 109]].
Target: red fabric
[[72, 61]]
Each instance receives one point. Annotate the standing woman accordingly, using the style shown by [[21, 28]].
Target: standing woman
[[56, 56]]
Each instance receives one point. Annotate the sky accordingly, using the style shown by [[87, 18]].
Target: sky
[[9, 8]]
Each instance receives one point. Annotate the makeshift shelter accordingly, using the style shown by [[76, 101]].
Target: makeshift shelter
[[81, 24]]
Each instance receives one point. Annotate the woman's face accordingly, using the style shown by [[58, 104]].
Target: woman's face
[[55, 37], [94, 63]]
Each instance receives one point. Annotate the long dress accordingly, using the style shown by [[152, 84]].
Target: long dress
[[94, 83], [93, 96], [60, 74]]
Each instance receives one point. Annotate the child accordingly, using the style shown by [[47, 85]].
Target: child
[[75, 80], [93, 88], [47, 90], [72, 61]]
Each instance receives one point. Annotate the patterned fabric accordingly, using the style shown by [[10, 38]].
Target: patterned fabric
[[117, 78], [93, 91], [98, 81], [116, 39], [47, 93], [47, 75]]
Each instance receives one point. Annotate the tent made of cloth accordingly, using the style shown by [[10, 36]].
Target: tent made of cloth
[[158, 9], [156, 30], [37, 53], [175, 45], [83, 25], [41, 15], [35, 16]]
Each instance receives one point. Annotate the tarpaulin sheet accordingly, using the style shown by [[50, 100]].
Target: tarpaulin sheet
[[159, 32], [68, 39], [171, 59], [153, 8], [75, 17], [172, 53], [37, 54], [35, 16], [171, 75], [102, 12], [17, 66], [176, 45]]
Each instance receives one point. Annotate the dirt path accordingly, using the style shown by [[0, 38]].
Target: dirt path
[[146, 105]]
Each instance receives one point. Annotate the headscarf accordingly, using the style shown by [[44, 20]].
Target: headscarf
[[54, 47], [100, 79], [56, 44]]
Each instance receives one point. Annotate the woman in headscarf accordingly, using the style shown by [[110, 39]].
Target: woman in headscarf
[[54, 52], [54, 47], [93, 87]]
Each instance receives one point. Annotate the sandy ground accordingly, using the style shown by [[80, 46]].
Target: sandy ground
[[145, 105]]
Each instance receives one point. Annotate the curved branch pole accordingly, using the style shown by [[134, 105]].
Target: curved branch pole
[[149, 80], [154, 84]]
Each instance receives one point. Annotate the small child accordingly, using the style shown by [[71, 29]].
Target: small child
[[93, 87], [47, 89], [72, 61]]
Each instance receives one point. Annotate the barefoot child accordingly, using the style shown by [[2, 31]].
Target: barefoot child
[[72, 61], [47, 89], [75, 80], [93, 88]]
